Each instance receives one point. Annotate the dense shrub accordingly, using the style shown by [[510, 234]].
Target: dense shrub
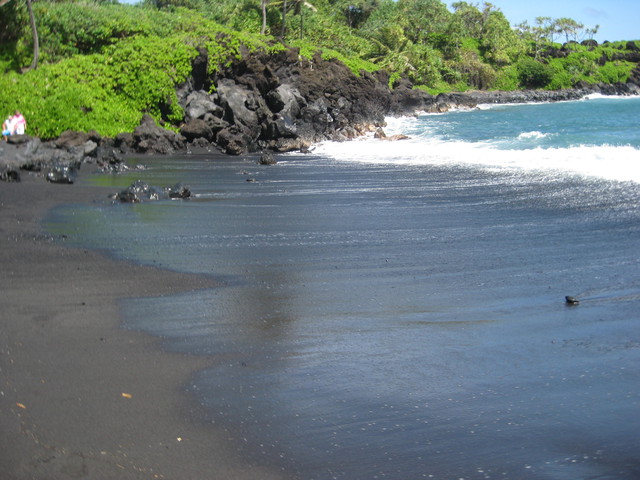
[[507, 78], [72, 94], [429, 66], [613, 72], [474, 71], [107, 92], [560, 79], [533, 74], [67, 29]]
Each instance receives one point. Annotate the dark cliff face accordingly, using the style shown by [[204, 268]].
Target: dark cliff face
[[283, 102]]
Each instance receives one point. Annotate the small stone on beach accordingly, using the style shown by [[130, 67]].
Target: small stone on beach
[[571, 300]]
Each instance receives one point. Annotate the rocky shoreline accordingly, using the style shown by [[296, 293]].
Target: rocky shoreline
[[274, 103]]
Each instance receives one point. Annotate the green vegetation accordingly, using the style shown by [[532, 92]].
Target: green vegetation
[[103, 64]]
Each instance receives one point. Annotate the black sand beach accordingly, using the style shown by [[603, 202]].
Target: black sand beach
[[371, 320], [81, 398]]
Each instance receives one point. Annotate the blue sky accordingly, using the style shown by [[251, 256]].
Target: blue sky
[[618, 19]]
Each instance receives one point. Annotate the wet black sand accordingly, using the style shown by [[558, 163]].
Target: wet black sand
[[79, 397]]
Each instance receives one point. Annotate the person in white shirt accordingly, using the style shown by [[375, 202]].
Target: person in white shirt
[[8, 127]]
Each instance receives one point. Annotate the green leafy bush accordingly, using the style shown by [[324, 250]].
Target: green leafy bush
[[507, 79], [356, 64], [560, 80], [613, 72], [532, 73], [71, 94], [67, 29], [107, 92], [146, 71], [578, 66]]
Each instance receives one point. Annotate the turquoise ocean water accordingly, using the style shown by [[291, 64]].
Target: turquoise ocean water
[[396, 309], [598, 137]]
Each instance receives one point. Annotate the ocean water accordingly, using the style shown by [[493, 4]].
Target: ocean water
[[396, 309]]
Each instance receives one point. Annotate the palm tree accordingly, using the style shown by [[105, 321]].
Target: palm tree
[[297, 5], [263, 5], [393, 50], [284, 18], [34, 30]]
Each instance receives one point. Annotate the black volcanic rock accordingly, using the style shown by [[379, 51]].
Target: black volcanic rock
[[150, 138]]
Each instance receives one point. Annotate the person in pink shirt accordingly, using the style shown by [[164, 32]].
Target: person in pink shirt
[[19, 123]]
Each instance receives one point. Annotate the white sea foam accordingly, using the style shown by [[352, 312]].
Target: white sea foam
[[600, 96], [501, 106], [570, 146], [532, 135], [592, 96], [621, 163]]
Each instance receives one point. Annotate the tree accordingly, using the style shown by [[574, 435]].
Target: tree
[[34, 31], [498, 40], [467, 22], [263, 6], [356, 12], [546, 28], [470, 18], [284, 18], [165, 4], [569, 28], [392, 49], [590, 32], [297, 8], [538, 35], [381, 17], [422, 18]]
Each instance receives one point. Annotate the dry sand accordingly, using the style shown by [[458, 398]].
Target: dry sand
[[80, 397]]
